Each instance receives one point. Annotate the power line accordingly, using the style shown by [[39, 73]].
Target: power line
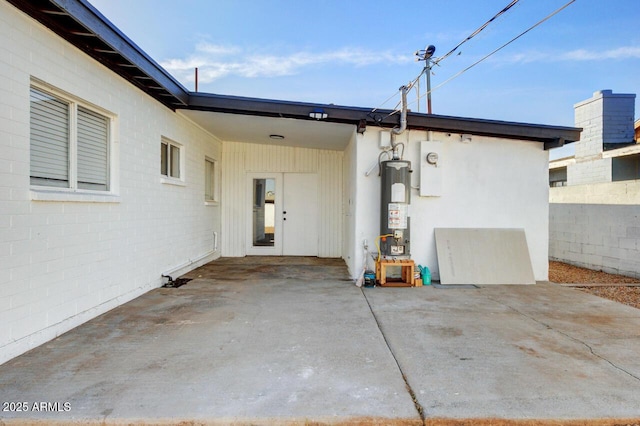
[[499, 48], [472, 35], [410, 85], [476, 32]]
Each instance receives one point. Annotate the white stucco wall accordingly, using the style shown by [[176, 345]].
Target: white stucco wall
[[349, 191], [64, 262], [487, 183]]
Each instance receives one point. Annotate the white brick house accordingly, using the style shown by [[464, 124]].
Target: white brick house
[[113, 174]]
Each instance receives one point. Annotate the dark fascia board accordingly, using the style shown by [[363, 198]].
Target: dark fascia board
[[97, 23], [161, 85], [170, 92], [551, 136]]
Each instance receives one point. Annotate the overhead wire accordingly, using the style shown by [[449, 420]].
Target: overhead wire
[[478, 31], [472, 35], [498, 49]]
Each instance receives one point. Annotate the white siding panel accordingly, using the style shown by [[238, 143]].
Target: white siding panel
[[233, 200], [330, 195], [269, 158], [306, 160], [241, 158]]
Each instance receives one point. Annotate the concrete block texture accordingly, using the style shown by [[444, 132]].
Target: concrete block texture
[[589, 171], [66, 255], [625, 192], [610, 242], [606, 117]]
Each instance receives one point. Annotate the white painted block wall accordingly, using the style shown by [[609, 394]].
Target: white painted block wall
[[65, 262], [589, 172], [486, 183], [596, 236]]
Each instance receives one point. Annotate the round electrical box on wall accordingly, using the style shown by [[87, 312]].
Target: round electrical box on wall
[[432, 158]]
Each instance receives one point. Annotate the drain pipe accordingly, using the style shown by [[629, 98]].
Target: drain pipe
[[403, 124]]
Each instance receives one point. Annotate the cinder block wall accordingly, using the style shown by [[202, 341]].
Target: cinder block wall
[[596, 236], [589, 171], [67, 260]]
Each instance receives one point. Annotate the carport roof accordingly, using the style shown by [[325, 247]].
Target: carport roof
[[82, 25]]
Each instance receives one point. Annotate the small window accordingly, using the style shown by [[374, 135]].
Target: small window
[[69, 143], [170, 159], [210, 180], [558, 177]]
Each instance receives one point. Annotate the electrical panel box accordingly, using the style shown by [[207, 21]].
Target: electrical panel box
[[431, 163], [385, 139]]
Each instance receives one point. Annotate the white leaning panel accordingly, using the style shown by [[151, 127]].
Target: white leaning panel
[[483, 256]]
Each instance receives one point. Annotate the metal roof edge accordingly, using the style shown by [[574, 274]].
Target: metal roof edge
[[551, 136], [103, 41]]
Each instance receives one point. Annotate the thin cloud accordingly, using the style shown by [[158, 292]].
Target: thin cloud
[[217, 61], [627, 52], [577, 55]]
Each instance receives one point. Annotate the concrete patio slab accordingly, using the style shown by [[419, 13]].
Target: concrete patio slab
[[248, 342], [293, 341], [513, 352]]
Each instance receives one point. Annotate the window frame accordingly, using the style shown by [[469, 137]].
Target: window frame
[[75, 106], [166, 155], [211, 181]]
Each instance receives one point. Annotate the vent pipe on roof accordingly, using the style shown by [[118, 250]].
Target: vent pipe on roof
[[403, 123]]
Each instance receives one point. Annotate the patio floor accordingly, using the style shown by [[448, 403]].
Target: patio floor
[[292, 341]]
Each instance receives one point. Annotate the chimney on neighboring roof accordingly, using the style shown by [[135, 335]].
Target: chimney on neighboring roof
[[607, 120]]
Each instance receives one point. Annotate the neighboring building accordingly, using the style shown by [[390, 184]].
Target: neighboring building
[[595, 195], [607, 150], [114, 175]]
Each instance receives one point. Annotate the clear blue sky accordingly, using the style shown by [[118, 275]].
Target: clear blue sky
[[357, 52]]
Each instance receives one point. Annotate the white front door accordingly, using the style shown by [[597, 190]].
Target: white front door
[[300, 215], [282, 214]]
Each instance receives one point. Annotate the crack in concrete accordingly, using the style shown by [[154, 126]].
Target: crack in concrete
[[575, 339], [412, 394]]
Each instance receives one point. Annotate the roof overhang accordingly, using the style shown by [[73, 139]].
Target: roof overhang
[[551, 136], [85, 27]]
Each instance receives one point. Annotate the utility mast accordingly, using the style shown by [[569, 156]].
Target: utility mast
[[425, 55]]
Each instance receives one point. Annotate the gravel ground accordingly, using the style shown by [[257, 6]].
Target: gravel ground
[[561, 273]]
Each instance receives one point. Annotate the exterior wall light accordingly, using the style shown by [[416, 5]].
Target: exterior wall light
[[362, 126], [318, 114]]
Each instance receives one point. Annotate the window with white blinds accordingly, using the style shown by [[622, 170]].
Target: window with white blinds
[[93, 150], [49, 140], [69, 143]]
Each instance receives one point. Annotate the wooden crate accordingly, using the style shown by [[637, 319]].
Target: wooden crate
[[407, 272]]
